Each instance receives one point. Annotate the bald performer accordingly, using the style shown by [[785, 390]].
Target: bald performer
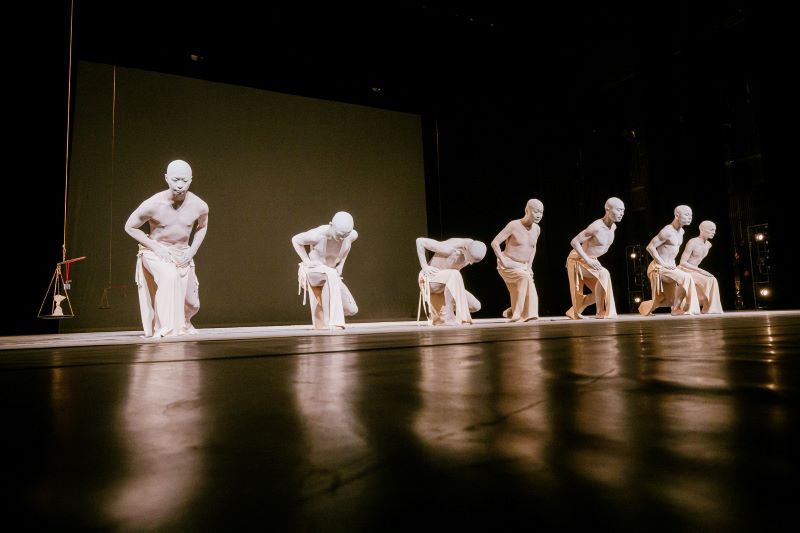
[[442, 290], [515, 248], [165, 272], [585, 271], [705, 283], [670, 286], [320, 270]]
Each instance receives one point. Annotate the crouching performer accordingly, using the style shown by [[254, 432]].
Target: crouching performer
[[165, 272], [442, 292], [320, 270]]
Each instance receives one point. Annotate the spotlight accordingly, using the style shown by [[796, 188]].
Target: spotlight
[[637, 300], [633, 255], [764, 292], [760, 236]]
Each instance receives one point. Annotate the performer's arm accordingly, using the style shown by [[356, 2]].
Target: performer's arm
[[530, 261], [197, 240], [691, 246], [577, 243], [138, 218], [652, 249], [423, 244], [300, 241], [533, 253], [501, 238], [340, 266]]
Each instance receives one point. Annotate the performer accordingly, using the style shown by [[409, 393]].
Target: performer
[[442, 290], [705, 283], [671, 287], [320, 270], [584, 270], [165, 271], [515, 261]]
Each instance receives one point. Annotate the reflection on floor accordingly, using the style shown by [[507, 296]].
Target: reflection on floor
[[643, 423]]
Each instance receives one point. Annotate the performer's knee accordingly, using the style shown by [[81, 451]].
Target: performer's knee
[[350, 309], [166, 276], [192, 306]]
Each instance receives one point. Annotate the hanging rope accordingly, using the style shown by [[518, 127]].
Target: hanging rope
[[113, 157], [58, 290], [66, 158]]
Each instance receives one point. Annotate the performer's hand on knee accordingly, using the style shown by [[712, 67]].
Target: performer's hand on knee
[[429, 270]]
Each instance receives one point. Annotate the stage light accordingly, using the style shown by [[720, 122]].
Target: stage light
[[758, 244], [636, 271]]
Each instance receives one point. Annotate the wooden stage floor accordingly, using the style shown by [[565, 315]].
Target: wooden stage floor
[[640, 423]]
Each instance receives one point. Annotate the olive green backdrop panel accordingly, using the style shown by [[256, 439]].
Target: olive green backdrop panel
[[269, 165]]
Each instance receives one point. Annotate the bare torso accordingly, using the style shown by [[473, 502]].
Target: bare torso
[[697, 250], [169, 223], [456, 260], [672, 239], [324, 248], [521, 243], [601, 238], [450, 254]]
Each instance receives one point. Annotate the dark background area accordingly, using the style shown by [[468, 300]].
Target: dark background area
[[685, 103]]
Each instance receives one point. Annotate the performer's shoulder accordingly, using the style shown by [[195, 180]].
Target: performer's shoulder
[[202, 204], [597, 224], [154, 201]]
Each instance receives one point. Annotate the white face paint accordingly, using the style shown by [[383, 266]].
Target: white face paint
[[341, 225], [536, 209], [340, 234], [684, 215], [179, 185], [616, 209], [179, 177], [708, 229]]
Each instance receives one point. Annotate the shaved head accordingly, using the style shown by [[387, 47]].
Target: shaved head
[[613, 202], [682, 210], [342, 221], [477, 251], [533, 203], [179, 169]]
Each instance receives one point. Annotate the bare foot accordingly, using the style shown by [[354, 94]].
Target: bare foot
[[573, 315]]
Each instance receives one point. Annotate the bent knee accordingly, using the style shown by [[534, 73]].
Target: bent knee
[[165, 276], [350, 310], [474, 307]]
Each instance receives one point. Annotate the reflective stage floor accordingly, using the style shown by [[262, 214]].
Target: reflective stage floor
[[638, 424]]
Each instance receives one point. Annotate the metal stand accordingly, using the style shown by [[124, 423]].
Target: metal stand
[[758, 241], [636, 270]]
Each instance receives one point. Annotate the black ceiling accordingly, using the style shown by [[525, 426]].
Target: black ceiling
[[406, 54]]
